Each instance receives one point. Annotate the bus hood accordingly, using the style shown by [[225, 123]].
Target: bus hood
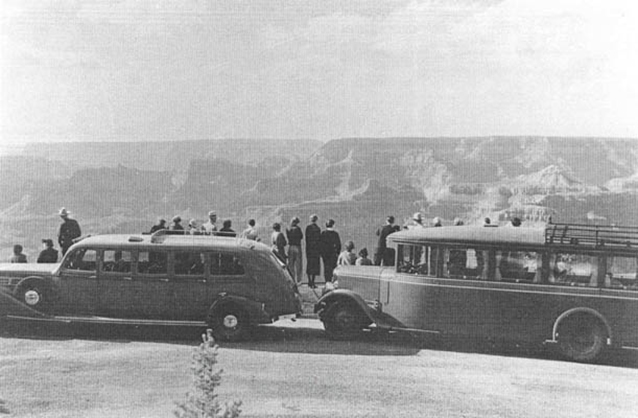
[[27, 269]]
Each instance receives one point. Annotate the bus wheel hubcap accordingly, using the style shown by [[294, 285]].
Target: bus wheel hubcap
[[31, 297], [230, 321]]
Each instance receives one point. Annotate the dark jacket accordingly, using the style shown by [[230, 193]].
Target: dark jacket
[[69, 230], [313, 240], [330, 243], [49, 255], [294, 235]]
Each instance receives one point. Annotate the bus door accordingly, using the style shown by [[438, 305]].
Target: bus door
[[78, 283], [191, 284], [228, 275], [138, 289], [411, 296]]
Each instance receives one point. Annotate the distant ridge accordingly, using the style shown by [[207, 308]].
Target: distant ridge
[[124, 186]]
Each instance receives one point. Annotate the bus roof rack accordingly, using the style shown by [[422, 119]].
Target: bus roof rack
[[594, 236]]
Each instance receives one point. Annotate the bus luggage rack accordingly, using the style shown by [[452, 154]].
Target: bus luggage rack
[[592, 235]]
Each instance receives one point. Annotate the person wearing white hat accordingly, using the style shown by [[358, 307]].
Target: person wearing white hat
[[69, 230], [209, 227], [417, 221]]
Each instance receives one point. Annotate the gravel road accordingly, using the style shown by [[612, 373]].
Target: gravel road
[[291, 370]]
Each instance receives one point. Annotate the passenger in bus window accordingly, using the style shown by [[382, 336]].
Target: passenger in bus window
[[457, 262], [197, 264]]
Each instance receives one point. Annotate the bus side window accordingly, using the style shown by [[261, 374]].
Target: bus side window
[[518, 266], [152, 262], [573, 269], [413, 259], [621, 273]]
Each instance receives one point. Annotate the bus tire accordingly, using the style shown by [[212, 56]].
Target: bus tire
[[581, 337], [344, 320], [229, 322]]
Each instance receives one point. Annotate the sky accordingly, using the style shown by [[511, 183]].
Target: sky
[[101, 70]]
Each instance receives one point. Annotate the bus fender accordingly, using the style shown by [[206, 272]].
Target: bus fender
[[255, 310], [10, 305], [588, 311], [339, 295]]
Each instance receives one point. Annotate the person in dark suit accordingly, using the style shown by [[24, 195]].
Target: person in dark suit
[[313, 250], [384, 255], [161, 224], [69, 230], [48, 254], [330, 249]]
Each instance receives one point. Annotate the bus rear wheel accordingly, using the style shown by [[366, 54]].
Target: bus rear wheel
[[344, 321], [581, 338]]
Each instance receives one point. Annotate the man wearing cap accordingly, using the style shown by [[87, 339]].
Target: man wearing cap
[[177, 224], [161, 224], [48, 253], [295, 236], [69, 230], [209, 227]]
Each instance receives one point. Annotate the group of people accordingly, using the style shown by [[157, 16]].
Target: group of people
[[322, 246], [68, 232], [207, 228]]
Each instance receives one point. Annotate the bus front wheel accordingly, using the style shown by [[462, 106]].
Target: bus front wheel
[[343, 321], [581, 338]]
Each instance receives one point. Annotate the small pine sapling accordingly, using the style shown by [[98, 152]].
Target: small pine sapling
[[201, 401]]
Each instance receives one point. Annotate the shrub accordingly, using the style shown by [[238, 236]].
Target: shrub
[[201, 401]]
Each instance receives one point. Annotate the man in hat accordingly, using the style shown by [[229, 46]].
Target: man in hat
[[48, 253], [295, 235], [161, 224], [177, 224], [209, 227], [69, 230]]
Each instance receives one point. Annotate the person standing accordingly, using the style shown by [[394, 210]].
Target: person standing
[[278, 241], [417, 221], [313, 250], [209, 227], [295, 236], [69, 230], [250, 232], [384, 255], [161, 224], [177, 224], [331, 247], [226, 230], [18, 256], [48, 253]]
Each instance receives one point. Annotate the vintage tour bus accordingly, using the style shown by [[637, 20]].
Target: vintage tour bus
[[229, 284], [574, 285]]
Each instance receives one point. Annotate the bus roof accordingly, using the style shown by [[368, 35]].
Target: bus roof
[[476, 235], [173, 241], [565, 236]]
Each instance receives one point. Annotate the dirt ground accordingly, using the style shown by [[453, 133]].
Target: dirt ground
[[292, 370]]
